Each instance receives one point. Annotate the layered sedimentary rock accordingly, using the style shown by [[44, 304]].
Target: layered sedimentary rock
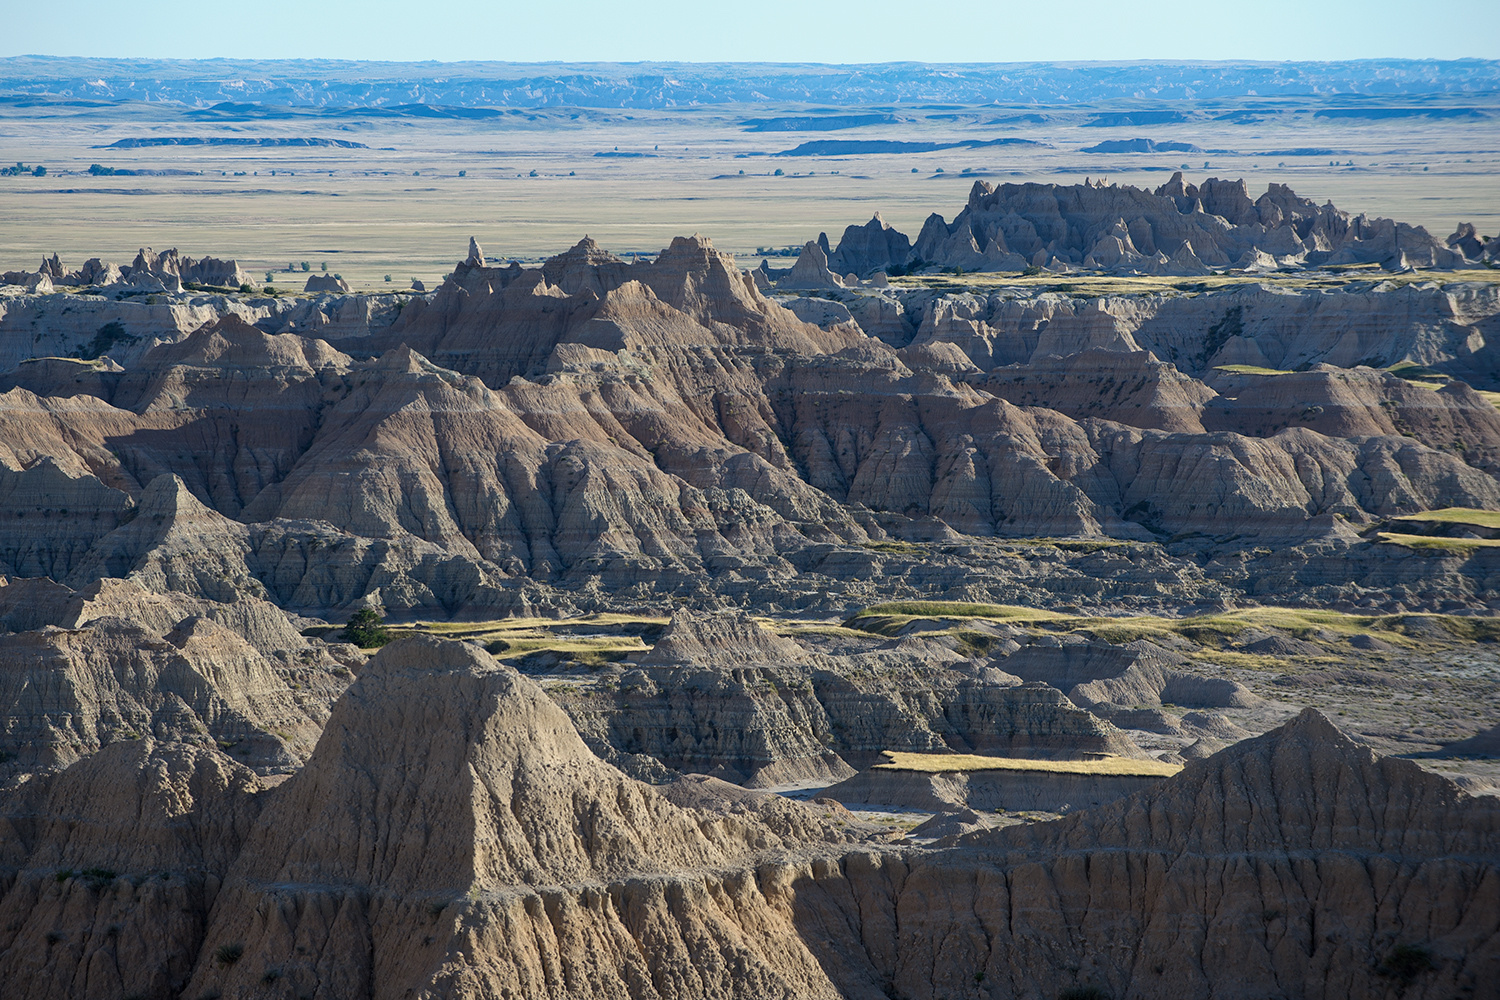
[[1297, 861], [67, 692], [875, 246], [121, 330], [720, 695], [1108, 679], [166, 271], [1180, 228], [986, 790], [452, 835], [596, 430], [111, 869]]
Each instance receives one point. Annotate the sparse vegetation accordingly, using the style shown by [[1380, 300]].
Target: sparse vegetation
[[366, 629], [1251, 370], [937, 763], [1455, 515], [902, 548], [108, 336], [228, 954], [98, 878], [1205, 630], [1436, 543]]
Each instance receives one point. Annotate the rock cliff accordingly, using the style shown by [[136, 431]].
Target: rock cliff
[[1294, 863], [1180, 228], [452, 835]]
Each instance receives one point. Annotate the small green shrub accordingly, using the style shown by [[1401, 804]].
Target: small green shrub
[[228, 954], [366, 629]]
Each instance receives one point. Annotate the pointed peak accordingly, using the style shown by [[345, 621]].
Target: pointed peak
[[168, 495], [1311, 724], [502, 790], [402, 358], [720, 639]]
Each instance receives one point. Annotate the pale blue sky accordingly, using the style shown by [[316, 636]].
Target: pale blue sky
[[759, 30]]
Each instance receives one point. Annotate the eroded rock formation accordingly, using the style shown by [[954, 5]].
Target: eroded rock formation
[[452, 835]]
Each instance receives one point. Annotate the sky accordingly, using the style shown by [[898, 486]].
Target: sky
[[832, 31]]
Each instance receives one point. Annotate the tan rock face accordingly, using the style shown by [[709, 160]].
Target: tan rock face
[[1297, 856], [110, 871], [601, 431], [1130, 388], [68, 692], [452, 833], [720, 695]]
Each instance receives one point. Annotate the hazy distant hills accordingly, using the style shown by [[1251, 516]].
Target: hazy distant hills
[[327, 83]]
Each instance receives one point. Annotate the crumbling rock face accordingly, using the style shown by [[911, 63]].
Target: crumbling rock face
[[875, 246], [720, 695], [112, 867], [1294, 858], [622, 431], [1124, 387], [65, 693], [988, 791], [504, 859], [452, 835], [1178, 229], [1110, 679]]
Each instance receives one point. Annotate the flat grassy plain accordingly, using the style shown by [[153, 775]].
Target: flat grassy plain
[[530, 186]]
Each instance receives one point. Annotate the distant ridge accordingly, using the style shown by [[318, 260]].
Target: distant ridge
[[331, 83], [222, 140]]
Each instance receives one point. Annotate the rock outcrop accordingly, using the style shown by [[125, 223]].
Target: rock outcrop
[[1180, 228], [603, 431], [989, 790], [1109, 679], [110, 870], [493, 824], [1297, 857], [718, 694], [875, 246], [452, 835], [326, 283], [65, 693]]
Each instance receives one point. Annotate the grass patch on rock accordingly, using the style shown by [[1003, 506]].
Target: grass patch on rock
[[937, 763], [1211, 631], [1455, 515], [1432, 543]]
